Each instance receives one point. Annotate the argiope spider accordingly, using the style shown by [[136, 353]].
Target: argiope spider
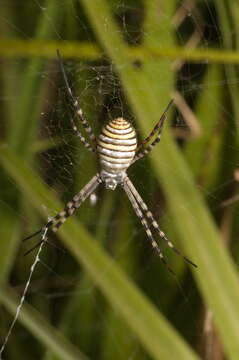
[[117, 149]]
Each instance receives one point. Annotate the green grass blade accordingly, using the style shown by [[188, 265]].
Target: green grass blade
[[216, 275], [15, 48], [38, 326], [9, 231], [82, 308], [22, 131], [226, 29], [22, 123], [207, 109]]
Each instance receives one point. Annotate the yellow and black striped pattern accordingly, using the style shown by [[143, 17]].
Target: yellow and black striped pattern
[[116, 145]]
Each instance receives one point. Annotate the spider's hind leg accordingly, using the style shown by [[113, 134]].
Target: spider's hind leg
[[144, 222], [154, 223]]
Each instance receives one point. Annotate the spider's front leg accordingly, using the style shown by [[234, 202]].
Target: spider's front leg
[[78, 112], [156, 130]]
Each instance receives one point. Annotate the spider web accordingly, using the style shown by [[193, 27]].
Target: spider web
[[66, 166]]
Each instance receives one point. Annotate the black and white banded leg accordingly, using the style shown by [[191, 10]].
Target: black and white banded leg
[[157, 129], [86, 144], [54, 223], [143, 221], [78, 112], [153, 222]]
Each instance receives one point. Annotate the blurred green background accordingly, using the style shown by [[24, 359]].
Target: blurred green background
[[108, 296]]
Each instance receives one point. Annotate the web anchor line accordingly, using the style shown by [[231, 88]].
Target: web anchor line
[[32, 269]]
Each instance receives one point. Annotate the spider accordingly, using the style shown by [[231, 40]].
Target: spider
[[117, 149]]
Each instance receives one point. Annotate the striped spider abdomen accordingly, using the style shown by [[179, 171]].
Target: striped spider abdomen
[[116, 146]]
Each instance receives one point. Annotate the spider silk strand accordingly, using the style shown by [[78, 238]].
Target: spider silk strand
[[22, 300]]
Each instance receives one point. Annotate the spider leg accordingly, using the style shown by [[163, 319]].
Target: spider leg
[[81, 137], [143, 221], [69, 209], [153, 222], [78, 111], [157, 129]]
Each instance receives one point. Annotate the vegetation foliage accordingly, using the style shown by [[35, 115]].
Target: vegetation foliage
[[113, 299]]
